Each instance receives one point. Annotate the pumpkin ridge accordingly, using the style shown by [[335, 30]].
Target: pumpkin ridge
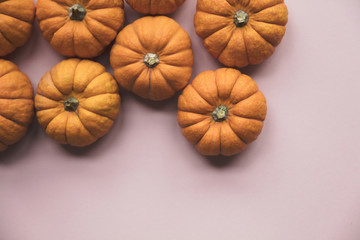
[[210, 125], [244, 98], [167, 43], [262, 36], [246, 117], [87, 26], [57, 88], [87, 84], [11, 43], [16, 18], [227, 16], [96, 113], [89, 16], [14, 121], [267, 7], [166, 80], [11, 70], [45, 128], [220, 150], [227, 44], [202, 96], [66, 125], [63, 4], [149, 89], [84, 125], [138, 37], [246, 49], [135, 78], [52, 35], [185, 126], [241, 139], [221, 27]]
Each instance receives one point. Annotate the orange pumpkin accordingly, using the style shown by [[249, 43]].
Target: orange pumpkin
[[221, 112], [155, 7], [152, 58], [16, 21], [16, 104], [81, 28], [241, 32], [77, 102]]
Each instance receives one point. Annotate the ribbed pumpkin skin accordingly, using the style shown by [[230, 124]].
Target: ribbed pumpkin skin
[[246, 112], [16, 24], [155, 7], [240, 46], [97, 95], [16, 104], [158, 35], [86, 38]]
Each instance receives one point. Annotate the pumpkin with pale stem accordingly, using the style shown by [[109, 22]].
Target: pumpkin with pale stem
[[153, 58], [80, 28], [241, 32], [221, 112], [16, 104], [77, 102], [16, 22], [155, 7]]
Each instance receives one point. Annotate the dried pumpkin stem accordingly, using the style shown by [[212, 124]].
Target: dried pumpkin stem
[[77, 12], [71, 104], [220, 113], [241, 18], [151, 60]]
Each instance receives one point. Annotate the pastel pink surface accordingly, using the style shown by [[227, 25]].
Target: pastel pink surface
[[299, 180]]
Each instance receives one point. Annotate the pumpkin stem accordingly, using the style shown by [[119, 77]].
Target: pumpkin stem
[[151, 60], [241, 18], [220, 113], [71, 104], [77, 12]]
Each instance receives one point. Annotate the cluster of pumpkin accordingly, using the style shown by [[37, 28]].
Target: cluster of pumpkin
[[77, 101]]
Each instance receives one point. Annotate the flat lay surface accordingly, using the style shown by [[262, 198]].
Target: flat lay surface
[[299, 180]]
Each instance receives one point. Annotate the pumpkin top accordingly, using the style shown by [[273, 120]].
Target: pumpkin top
[[241, 32], [77, 102], [221, 111], [152, 57]]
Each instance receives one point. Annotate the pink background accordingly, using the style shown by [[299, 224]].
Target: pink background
[[299, 180]]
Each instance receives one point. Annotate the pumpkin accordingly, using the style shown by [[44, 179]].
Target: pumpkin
[[221, 112], [241, 32], [81, 28], [16, 21], [16, 104], [77, 102], [155, 7], [152, 58]]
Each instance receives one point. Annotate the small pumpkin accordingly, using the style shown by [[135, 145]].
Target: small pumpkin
[[81, 28], [241, 32], [77, 102], [16, 23], [155, 7], [16, 104], [221, 112], [152, 58]]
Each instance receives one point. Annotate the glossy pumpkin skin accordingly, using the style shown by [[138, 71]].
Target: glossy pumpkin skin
[[152, 58], [16, 21], [80, 28], [77, 102], [16, 104], [221, 112], [155, 7], [241, 32]]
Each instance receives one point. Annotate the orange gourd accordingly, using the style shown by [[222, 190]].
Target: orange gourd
[[241, 32], [16, 23], [77, 102], [81, 28], [16, 104], [153, 58], [221, 112], [155, 7]]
